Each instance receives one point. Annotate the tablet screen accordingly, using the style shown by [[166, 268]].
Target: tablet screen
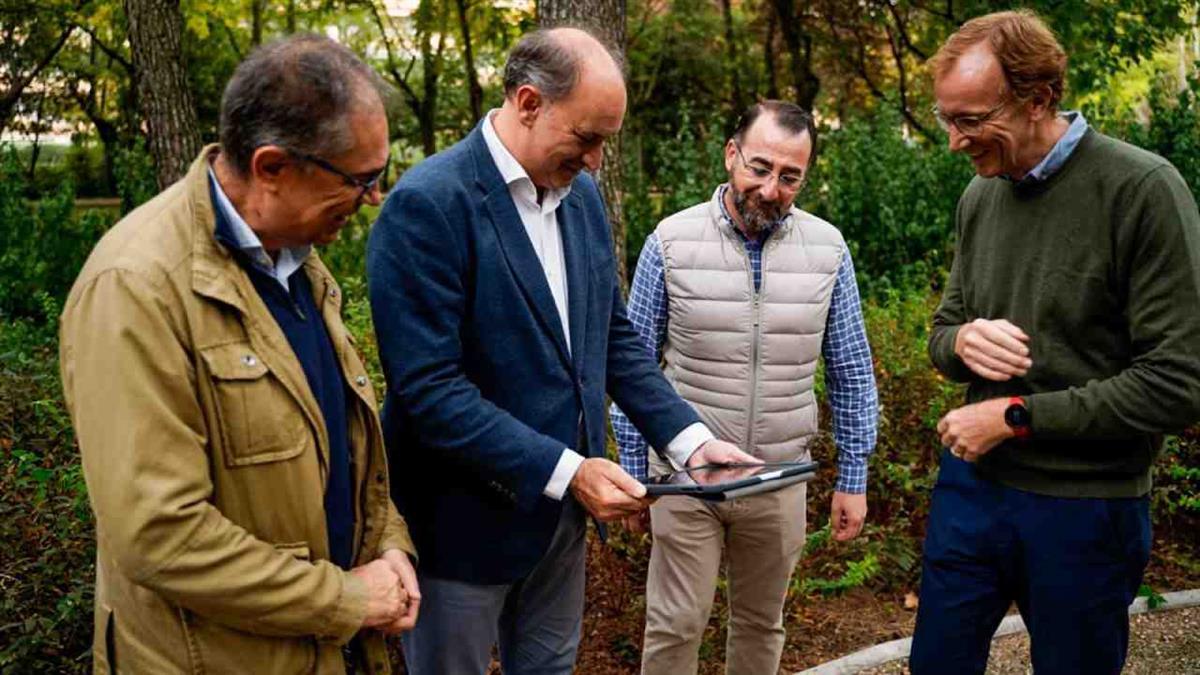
[[716, 474]]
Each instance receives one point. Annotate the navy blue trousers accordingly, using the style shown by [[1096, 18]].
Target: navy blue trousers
[[1072, 566]]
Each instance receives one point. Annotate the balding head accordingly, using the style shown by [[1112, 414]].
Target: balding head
[[555, 60]]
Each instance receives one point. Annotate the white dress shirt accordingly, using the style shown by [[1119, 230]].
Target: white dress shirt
[[541, 224]]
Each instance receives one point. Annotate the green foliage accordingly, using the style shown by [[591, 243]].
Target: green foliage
[[1173, 130], [663, 176], [136, 182], [45, 524], [1153, 599], [892, 197], [42, 245]]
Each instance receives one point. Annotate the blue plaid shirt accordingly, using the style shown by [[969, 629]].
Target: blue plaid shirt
[[849, 376]]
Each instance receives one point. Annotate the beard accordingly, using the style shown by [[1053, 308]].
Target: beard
[[756, 214]]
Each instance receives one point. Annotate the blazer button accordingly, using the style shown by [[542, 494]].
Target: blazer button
[[333, 292], [379, 477], [249, 361], [361, 380]]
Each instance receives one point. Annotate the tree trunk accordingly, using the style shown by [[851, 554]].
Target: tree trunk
[[165, 100], [799, 46], [256, 22], [474, 91], [737, 102], [769, 53], [606, 20]]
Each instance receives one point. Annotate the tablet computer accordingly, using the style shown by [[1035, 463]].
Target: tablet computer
[[722, 482]]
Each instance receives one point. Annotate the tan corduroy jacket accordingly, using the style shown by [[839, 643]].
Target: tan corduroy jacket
[[206, 456]]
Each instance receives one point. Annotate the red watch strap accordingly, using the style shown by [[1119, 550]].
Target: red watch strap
[[1022, 431]]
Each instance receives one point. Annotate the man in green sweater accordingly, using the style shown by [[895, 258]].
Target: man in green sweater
[[1073, 313]]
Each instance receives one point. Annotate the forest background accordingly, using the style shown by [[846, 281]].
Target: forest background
[[103, 102]]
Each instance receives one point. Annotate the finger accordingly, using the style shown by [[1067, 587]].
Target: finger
[[987, 373], [999, 360], [1002, 338], [941, 426], [1011, 328], [736, 456], [997, 352], [624, 482]]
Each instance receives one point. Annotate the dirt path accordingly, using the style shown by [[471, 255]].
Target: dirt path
[[1160, 643]]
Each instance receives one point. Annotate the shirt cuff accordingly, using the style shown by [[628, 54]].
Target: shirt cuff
[[680, 449], [564, 471]]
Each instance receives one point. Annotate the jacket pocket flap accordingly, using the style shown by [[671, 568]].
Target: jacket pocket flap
[[298, 550], [234, 361]]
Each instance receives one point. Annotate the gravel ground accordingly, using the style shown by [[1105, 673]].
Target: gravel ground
[[1160, 643]]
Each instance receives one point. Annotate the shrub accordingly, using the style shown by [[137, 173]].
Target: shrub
[[42, 245], [893, 199]]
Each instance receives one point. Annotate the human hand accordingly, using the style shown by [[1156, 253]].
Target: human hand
[[973, 430], [720, 452], [847, 514], [386, 598], [993, 349], [402, 566], [606, 491]]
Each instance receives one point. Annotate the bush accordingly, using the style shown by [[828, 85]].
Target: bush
[[42, 245], [893, 199]]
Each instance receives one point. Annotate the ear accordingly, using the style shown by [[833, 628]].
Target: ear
[[530, 104], [1039, 105], [268, 165], [730, 155]]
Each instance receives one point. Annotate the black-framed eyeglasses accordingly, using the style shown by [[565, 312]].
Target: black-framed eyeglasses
[[786, 180], [967, 125], [364, 185]]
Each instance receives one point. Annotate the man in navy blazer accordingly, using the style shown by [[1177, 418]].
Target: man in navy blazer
[[501, 327]]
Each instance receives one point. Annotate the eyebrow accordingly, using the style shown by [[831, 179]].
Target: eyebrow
[[587, 136], [786, 168]]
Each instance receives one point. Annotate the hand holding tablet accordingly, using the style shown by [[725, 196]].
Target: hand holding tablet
[[722, 482]]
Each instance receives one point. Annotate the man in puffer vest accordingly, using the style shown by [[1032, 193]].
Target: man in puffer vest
[[739, 296]]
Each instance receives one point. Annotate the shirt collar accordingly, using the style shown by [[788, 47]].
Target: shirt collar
[[1061, 152], [762, 236], [290, 259], [514, 175]]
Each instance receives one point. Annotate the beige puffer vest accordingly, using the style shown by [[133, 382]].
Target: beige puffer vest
[[746, 361]]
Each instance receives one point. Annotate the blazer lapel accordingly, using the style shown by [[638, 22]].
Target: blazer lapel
[[518, 250], [572, 225]]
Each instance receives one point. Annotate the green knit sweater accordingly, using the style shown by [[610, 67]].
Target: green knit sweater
[[1100, 266]]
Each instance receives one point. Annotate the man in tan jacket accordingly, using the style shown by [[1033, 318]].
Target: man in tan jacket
[[229, 435]]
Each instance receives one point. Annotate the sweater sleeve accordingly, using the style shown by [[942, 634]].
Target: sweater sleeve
[[1159, 391], [951, 314]]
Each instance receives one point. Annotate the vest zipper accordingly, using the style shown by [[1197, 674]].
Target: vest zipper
[[754, 340]]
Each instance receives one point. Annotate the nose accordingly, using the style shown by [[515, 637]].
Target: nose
[[374, 196], [958, 140], [594, 157], [769, 189]]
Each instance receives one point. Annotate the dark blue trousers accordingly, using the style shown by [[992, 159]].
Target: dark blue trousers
[[1071, 565]]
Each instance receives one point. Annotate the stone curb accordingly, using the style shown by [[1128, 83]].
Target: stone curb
[[899, 649]]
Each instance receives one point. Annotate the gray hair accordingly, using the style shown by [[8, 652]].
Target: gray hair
[[296, 93], [543, 60]]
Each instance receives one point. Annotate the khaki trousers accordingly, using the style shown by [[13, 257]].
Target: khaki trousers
[[762, 537]]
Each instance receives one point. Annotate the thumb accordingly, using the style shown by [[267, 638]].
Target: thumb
[[626, 483]]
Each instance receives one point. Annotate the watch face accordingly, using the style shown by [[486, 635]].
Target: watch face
[[1016, 415]]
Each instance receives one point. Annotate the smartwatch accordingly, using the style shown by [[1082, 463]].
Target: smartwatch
[[1018, 418]]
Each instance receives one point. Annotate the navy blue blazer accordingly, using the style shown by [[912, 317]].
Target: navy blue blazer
[[482, 392]]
